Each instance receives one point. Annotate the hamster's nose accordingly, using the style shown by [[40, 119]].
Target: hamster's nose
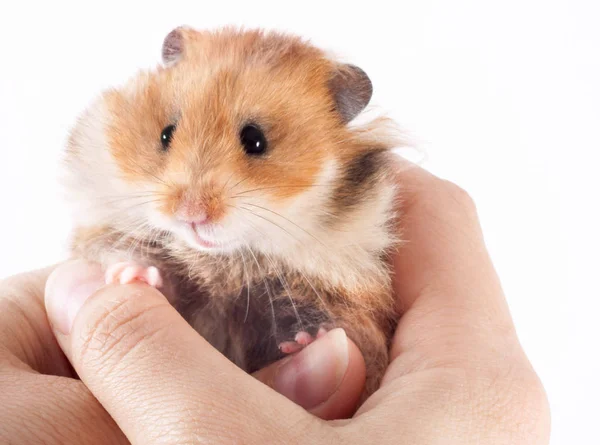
[[196, 217]]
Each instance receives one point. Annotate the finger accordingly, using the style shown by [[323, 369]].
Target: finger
[[444, 277], [455, 354], [151, 371], [52, 410], [443, 239], [326, 378], [24, 329]]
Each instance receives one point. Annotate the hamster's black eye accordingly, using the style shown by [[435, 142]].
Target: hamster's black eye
[[253, 140], [166, 136]]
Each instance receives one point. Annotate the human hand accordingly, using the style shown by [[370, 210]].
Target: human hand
[[44, 402], [458, 374], [40, 402]]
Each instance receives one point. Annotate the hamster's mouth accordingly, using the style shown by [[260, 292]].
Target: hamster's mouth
[[200, 238], [202, 241], [205, 237]]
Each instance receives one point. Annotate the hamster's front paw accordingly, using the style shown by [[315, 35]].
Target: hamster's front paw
[[301, 340], [126, 273]]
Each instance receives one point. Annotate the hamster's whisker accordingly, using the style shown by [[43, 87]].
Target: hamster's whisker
[[137, 164], [152, 238], [226, 183], [120, 211], [144, 241], [312, 287], [132, 229], [266, 236], [193, 263], [149, 173], [138, 240], [138, 204], [260, 232], [305, 278], [247, 276], [159, 234], [285, 286], [114, 231], [282, 280], [269, 221], [264, 279], [127, 233], [288, 220], [135, 195], [127, 198], [238, 183], [279, 187], [128, 227]]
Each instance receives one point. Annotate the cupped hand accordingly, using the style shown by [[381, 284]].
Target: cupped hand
[[40, 402], [457, 375], [43, 401]]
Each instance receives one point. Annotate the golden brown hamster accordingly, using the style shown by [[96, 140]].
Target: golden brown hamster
[[230, 177]]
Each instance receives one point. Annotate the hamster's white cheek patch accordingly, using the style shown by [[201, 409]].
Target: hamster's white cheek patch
[[288, 227], [307, 207], [91, 177]]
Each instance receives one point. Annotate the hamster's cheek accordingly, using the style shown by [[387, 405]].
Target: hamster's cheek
[[161, 221]]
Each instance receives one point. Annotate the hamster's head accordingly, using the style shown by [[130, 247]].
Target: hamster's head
[[239, 139]]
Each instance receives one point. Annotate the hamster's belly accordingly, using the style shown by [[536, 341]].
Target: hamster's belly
[[248, 325]]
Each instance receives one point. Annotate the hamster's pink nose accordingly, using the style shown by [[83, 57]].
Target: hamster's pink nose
[[197, 218]]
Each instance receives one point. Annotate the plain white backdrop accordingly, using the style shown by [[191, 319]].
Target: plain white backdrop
[[503, 96]]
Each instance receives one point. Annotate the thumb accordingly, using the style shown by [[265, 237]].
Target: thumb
[[327, 377]]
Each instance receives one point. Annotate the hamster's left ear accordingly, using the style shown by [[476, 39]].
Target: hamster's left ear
[[352, 90], [174, 45]]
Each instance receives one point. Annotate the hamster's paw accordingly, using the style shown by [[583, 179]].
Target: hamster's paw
[[126, 273], [301, 340]]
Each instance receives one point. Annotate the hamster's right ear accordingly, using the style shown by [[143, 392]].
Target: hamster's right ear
[[174, 45]]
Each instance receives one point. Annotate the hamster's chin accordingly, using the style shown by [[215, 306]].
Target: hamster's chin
[[207, 243], [203, 239]]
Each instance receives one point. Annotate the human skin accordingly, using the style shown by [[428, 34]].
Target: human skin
[[458, 374]]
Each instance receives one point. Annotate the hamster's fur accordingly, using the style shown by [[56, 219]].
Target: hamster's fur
[[297, 238]]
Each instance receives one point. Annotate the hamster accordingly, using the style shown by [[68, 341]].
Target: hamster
[[231, 178]]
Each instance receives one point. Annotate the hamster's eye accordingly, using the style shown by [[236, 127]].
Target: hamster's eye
[[253, 140], [166, 136]]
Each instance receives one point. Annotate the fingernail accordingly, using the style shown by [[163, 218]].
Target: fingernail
[[310, 377], [67, 289]]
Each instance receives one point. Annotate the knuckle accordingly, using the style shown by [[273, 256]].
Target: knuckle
[[514, 401], [529, 410], [117, 327], [459, 196], [30, 283], [15, 287]]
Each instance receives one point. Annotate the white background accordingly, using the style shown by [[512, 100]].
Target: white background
[[503, 96]]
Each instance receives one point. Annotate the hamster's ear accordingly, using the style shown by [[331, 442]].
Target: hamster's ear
[[174, 45], [352, 90]]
